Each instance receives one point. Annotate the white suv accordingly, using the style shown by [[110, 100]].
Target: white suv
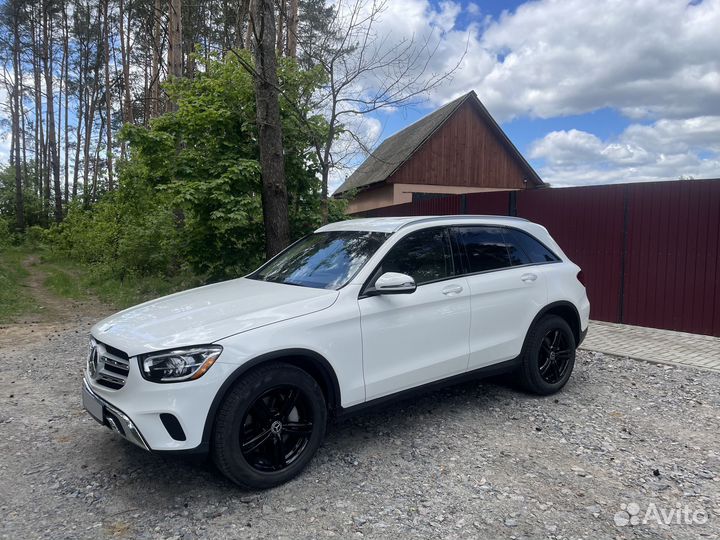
[[360, 311]]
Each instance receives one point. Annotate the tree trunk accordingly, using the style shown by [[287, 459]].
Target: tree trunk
[[17, 88], [78, 133], [108, 93], [282, 17], [50, 105], [125, 60], [292, 28], [274, 190], [146, 87], [96, 167], [39, 130], [175, 54], [242, 15], [66, 59], [249, 30], [157, 54], [23, 133], [89, 118]]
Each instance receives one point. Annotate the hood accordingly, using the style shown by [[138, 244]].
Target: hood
[[207, 314]]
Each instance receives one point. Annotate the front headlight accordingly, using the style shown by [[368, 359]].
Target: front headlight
[[179, 365]]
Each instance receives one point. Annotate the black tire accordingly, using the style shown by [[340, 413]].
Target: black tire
[[257, 456], [540, 371]]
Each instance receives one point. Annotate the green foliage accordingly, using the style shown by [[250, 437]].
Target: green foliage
[[32, 203], [189, 196], [15, 300]]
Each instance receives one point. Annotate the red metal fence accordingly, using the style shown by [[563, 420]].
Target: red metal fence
[[650, 252]]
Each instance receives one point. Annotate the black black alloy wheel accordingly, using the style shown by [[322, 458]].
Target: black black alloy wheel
[[548, 356], [554, 357], [269, 426], [276, 429]]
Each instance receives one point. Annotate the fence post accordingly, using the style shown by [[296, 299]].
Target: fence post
[[512, 203]]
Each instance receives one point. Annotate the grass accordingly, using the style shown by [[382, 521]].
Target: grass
[[15, 298], [62, 282], [133, 290], [74, 281]]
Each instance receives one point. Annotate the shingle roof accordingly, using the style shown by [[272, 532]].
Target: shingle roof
[[397, 149]]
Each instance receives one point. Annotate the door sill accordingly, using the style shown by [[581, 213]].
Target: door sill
[[480, 373]]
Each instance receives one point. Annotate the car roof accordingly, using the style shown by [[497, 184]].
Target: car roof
[[394, 224]]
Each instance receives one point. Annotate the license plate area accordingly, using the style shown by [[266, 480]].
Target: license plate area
[[93, 406]]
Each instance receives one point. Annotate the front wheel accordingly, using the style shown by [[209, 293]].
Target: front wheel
[[269, 426], [548, 356]]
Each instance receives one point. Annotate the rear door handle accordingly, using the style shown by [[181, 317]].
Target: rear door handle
[[452, 290], [528, 278]]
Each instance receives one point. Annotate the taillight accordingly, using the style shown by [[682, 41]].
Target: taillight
[[581, 277]]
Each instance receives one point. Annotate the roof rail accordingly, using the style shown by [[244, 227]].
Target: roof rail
[[458, 217]]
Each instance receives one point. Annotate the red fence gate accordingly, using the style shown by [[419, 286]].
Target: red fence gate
[[650, 252]]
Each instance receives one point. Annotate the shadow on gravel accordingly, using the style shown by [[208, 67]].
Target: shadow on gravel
[[166, 476]]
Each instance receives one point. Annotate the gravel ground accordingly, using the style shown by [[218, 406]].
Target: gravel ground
[[474, 460]]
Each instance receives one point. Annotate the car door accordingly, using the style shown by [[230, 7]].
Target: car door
[[412, 339], [506, 291]]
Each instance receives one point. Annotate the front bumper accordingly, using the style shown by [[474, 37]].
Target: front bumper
[[139, 408], [111, 417]]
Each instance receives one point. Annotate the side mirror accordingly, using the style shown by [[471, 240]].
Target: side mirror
[[393, 283]]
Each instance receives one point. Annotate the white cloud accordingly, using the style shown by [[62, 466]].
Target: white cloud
[[654, 62], [664, 150], [644, 57]]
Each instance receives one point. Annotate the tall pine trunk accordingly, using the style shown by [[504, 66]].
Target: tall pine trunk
[[108, 93], [282, 18], [16, 98], [66, 59], [175, 39], [83, 66], [292, 28], [50, 105], [125, 59], [157, 55], [39, 130], [272, 162]]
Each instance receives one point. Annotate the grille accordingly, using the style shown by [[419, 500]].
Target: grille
[[108, 366]]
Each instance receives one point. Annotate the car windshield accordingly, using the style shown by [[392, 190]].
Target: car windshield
[[325, 260]]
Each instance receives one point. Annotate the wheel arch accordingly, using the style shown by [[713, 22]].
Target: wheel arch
[[307, 360], [565, 310]]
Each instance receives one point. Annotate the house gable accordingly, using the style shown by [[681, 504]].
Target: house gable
[[465, 151]]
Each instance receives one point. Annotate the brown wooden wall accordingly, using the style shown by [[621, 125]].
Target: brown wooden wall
[[463, 152]]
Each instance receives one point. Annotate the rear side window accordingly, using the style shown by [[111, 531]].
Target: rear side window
[[424, 255], [485, 248], [525, 248]]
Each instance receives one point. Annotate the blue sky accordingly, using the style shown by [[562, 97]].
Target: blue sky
[[590, 92]]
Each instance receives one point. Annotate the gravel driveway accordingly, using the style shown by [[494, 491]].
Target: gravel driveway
[[475, 460]]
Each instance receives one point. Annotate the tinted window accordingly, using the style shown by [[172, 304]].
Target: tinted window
[[322, 260], [424, 255], [485, 248], [532, 250]]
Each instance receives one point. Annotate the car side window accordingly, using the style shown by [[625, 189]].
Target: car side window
[[485, 248], [424, 255], [524, 247]]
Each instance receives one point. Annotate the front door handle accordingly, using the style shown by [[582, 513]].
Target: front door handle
[[452, 289], [528, 278]]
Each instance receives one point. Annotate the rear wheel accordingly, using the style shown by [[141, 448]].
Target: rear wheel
[[548, 356], [269, 426]]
